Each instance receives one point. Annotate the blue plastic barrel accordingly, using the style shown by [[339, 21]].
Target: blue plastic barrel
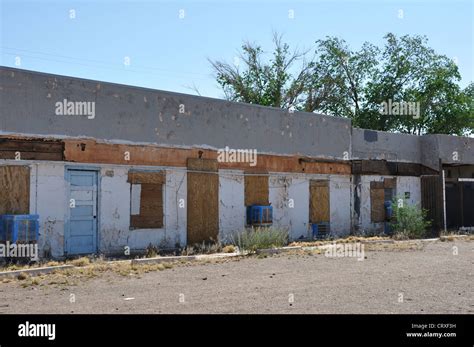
[[19, 228]]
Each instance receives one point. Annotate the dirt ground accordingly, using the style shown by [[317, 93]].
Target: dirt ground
[[432, 277]]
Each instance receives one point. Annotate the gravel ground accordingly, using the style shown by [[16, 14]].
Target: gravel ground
[[428, 278]]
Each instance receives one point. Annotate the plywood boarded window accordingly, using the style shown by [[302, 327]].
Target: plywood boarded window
[[14, 189], [379, 193], [319, 201], [146, 203], [256, 190], [203, 201], [377, 197]]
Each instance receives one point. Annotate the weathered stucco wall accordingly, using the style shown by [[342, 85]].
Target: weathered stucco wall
[[286, 191], [370, 144], [410, 185], [48, 199], [340, 204], [364, 224], [455, 149], [115, 233], [299, 214], [126, 113], [231, 204]]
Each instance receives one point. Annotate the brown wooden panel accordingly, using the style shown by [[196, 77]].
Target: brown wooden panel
[[319, 210], [376, 185], [32, 156], [203, 202], [145, 222], [202, 164], [14, 189], [30, 145], [31, 149], [256, 190], [390, 183], [89, 151], [377, 209], [151, 200], [140, 177]]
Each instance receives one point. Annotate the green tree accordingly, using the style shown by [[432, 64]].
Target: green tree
[[341, 82], [268, 83]]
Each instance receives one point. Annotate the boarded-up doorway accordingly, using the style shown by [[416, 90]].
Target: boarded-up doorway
[[203, 201], [14, 189], [319, 211]]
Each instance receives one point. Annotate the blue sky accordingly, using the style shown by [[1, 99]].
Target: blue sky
[[170, 53]]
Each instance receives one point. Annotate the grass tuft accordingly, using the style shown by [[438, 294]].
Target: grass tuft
[[260, 238]]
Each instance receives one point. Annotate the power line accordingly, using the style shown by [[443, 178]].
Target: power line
[[108, 64]]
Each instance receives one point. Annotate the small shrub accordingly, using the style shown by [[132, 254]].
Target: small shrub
[[228, 249], [151, 251], [260, 238], [52, 263], [83, 261], [203, 248], [23, 276], [409, 221]]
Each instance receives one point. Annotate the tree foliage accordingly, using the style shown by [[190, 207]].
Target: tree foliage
[[342, 82]]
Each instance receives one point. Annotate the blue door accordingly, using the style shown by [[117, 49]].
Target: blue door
[[81, 228]]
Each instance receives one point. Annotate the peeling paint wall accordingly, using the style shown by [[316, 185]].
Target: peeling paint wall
[[141, 115], [278, 196], [340, 204], [48, 199], [298, 215], [294, 190], [364, 223], [411, 185], [232, 214], [115, 233], [370, 144]]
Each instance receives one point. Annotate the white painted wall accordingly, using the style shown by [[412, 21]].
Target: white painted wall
[[404, 184], [366, 225], [48, 199], [278, 196], [115, 233], [232, 212], [411, 185], [296, 219], [340, 204], [299, 214]]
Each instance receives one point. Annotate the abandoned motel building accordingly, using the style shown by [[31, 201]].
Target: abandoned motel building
[[145, 167]]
